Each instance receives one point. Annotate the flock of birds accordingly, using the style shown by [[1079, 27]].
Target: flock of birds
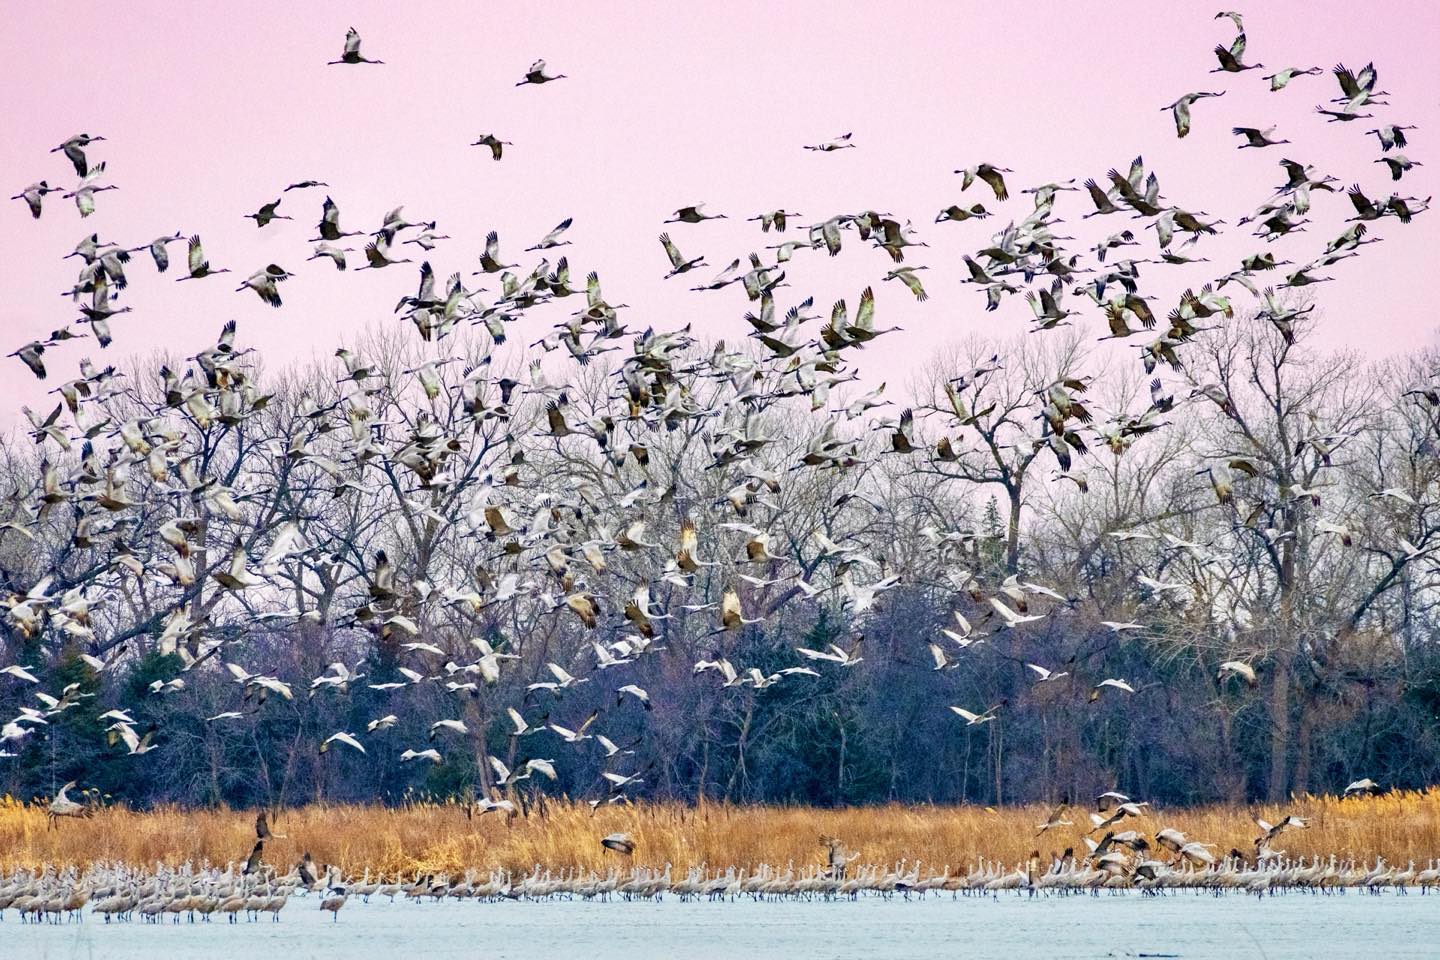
[[1121, 860], [119, 893], [545, 545]]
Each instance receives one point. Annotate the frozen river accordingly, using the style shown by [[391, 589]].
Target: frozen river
[[1292, 927]]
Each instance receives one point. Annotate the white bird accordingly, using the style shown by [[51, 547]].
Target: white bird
[[942, 662], [619, 782], [346, 738], [971, 719], [1237, 668], [833, 654], [1046, 675], [1112, 683], [432, 755], [639, 693], [453, 726], [1011, 618]]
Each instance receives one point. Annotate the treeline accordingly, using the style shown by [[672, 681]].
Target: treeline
[[1269, 505]]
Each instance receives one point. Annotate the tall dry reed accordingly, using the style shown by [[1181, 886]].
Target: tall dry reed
[[427, 838]]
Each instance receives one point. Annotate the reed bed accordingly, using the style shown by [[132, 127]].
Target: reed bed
[[434, 838]]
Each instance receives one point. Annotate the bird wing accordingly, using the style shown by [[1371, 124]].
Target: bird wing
[[676, 260]]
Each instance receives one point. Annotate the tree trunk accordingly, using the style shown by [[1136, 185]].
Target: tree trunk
[[1279, 729], [1012, 533], [999, 741], [1304, 738]]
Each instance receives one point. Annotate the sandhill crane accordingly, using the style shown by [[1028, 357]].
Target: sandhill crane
[[34, 194], [1109, 683], [778, 219], [1271, 831], [551, 239], [906, 275], [1011, 618], [352, 53], [1231, 57], [452, 726], [267, 213], [30, 355], [264, 281], [346, 738], [639, 693], [619, 781], [1237, 668], [1362, 787], [678, 263], [1255, 137], [1399, 164], [74, 150], [1181, 109], [252, 862], [377, 256], [841, 142], [1392, 136], [975, 211], [84, 192], [536, 74], [335, 254], [1056, 818], [834, 654], [62, 806], [991, 174], [159, 250], [1348, 113], [236, 576], [694, 214], [940, 659], [731, 613], [262, 828], [496, 145], [579, 734], [197, 266], [19, 673], [621, 843], [1281, 78], [329, 226], [336, 897], [974, 719]]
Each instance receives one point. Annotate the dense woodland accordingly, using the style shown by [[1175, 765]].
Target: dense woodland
[[1270, 504]]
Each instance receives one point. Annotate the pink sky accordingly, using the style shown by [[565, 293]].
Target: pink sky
[[209, 114]]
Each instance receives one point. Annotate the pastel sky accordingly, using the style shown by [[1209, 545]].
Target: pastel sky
[[211, 109]]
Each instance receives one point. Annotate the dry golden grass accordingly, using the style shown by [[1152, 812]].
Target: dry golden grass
[[432, 838]]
